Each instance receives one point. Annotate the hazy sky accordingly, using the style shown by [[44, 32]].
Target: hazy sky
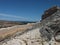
[[25, 10]]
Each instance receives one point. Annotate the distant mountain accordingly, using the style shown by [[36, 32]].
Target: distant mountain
[[26, 21], [5, 23]]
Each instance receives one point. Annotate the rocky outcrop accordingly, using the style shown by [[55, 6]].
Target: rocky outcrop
[[51, 25], [49, 12]]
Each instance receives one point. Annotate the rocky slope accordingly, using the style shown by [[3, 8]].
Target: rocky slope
[[31, 37]]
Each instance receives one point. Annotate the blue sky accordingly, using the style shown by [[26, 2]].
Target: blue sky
[[25, 10]]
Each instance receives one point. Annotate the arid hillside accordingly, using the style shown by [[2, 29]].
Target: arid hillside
[[4, 23]]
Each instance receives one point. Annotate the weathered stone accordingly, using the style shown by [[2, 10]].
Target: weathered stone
[[51, 25]]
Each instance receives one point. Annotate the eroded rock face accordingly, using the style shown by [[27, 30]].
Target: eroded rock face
[[50, 30], [46, 34]]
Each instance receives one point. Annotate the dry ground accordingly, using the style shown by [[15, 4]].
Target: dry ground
[[7, 32]]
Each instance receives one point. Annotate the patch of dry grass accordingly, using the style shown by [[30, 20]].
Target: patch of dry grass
[[7, 33]]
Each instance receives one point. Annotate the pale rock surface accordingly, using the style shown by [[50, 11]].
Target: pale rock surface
[[31, 37]]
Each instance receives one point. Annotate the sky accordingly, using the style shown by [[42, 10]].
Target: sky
[[25, 10]]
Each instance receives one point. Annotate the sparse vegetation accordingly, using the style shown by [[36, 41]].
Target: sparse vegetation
[[7, 33]]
